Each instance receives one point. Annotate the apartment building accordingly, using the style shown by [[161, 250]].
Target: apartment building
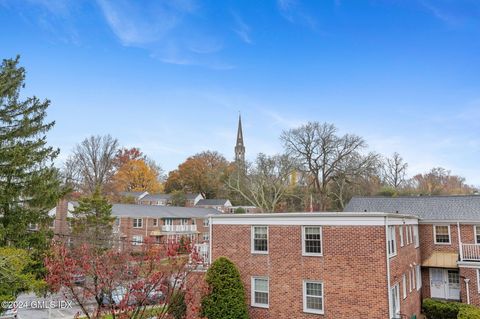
[[135, 224], [328, 265], [449, 232]]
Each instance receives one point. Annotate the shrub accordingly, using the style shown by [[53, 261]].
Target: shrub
[[240, 210], [177, 307], [435, 309], [226, 296], [469, 312]]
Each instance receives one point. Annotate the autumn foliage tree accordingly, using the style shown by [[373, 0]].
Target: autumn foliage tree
[[136, 175], [120, 284], [202, 173]]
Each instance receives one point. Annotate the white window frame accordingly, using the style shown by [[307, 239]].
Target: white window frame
[[478, 280], [410, 281], [304, 253], [404, 286], [253, 303], [476, 234], [205, 222], [395, 288], [155, 222], [392, 238], [137, 240], [206, 236], [135, 221], [416, 236], [435, 235], [400, 229], [262, 252], [414, 284], [418, 271], [308, 310], [168, 222]]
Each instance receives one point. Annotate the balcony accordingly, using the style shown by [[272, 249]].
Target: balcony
[[470, 252], [179, 228]]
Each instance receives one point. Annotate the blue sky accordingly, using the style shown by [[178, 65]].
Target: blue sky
[[171, 76]]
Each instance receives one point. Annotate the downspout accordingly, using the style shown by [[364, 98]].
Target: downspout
[[467, 280], [388, 269], [210, 240], [460, 248]]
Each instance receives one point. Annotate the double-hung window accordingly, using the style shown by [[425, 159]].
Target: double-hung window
[[416, 238], [392, 246], [313, 296], [205, 222], [400, 229], [441, 234], [395, 300], [419, 276], [477, 234], [137, 240], [260, 291], [137, 223], [155, 222], [312, 240], [260, 239], [404, 285]]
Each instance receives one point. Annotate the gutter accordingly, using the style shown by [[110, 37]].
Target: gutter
[[389, 292]]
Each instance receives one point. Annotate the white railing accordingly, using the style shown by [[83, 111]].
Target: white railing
[[202, 250], [179, 228], [470, 252]]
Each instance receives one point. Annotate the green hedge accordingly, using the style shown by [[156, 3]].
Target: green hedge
[[469, 312], [436, 309]]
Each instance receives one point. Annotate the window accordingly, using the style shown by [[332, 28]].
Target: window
[[312, 240], [184, 221], [441, 234], [194, 222], [400, 229], [410, 283], [477, 234], [392, 247], [404, 285], [313, 296], [137, 223], [205, 222], [260, 292], [395, 300], [137, 240], [168, 222], [410, 233], [416, 239], [155, 222], [413, 278], [419, 276], [478, 280], [206, 236], [260, 239]]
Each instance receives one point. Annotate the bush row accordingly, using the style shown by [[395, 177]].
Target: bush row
[[436, 309]]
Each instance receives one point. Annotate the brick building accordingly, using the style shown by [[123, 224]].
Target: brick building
[[135, 223], [449, 231], [328, 265]]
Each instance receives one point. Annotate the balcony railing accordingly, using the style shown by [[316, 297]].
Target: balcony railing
[[470, 252], [179, 228]]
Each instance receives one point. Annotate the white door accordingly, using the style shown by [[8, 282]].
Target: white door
[[437, 283], [453, 284]]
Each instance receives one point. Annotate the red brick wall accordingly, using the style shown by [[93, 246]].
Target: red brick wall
[[427, 242], [353, 269], [471, 274], [407, 257]]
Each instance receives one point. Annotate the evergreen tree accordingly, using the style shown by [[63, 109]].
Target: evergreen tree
[[92, 221], [226, 297], [29, 184]]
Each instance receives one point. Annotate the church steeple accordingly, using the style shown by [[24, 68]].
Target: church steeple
[[240, 147]]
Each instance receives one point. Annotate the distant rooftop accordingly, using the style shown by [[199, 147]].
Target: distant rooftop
[[212, 202], [461, 207], [165, 196], [132, 210]]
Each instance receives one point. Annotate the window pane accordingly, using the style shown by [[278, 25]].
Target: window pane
[[478, 234], [442, 234], [313, 240], [261, 298], [260, 238], [261, 285], [314, 289], [314, 303]]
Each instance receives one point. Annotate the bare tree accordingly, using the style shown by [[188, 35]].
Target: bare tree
[[266, 183], [352, 176], [92, 163], [321, 153], [394, 171]]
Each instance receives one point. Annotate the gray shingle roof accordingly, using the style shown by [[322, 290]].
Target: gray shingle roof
[[131, 210], [459, 207], [154, 197], [212, 202]]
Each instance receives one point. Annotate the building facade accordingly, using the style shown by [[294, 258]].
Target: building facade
[[328, 265], [449, 232]]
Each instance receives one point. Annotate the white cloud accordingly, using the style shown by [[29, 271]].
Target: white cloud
[[242, 29]]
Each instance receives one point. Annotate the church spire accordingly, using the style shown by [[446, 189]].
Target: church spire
[[240, 147]]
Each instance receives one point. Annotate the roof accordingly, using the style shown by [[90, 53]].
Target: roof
[[164, 196], [313, 215], [213, 202], [133, 194], [461, 207], [132, 210], [153, 197]]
